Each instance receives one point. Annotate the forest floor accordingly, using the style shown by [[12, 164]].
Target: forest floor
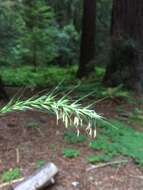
[[45, 144]]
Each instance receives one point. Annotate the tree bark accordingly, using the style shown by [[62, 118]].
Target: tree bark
[[126, 55], [87, 47]]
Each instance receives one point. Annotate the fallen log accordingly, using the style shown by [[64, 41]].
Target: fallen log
[[40, 179]]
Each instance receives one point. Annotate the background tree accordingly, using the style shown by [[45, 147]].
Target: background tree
[[67, 12], [87, 47], [126, 58], [103, 20], [9, 30], [38, 38]]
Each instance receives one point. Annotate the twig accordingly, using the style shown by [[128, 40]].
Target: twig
[[17, 156], [115, 176], [106, 164], [10, 183], [138, 176], [40, 132]]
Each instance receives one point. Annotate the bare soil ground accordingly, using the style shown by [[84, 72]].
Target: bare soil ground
[[47, 144]]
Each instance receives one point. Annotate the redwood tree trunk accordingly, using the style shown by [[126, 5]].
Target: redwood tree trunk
[[126, 56], [87, 49]]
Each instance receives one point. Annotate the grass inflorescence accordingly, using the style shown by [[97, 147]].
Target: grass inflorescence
[[72, 113]]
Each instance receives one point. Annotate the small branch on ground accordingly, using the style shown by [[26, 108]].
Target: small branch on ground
[[107, 164], [138, 177], [17, 156], [10, 183]]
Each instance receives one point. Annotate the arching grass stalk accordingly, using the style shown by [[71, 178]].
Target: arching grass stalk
[[71, 113]]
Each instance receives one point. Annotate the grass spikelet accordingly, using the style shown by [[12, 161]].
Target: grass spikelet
[[71, 113]]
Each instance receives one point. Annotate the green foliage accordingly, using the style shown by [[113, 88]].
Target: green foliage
[[67, 12], [70, 153], [40, 163], [93, 159], [101, 93], [102, 143], [11, 174], [99, 71], [50, 77], [31, 35], [9, 30], [116, 92], [37, 42], [42, 77], [72, 138], [42, 32], [136, 116], [119, 139], [67, 45]]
